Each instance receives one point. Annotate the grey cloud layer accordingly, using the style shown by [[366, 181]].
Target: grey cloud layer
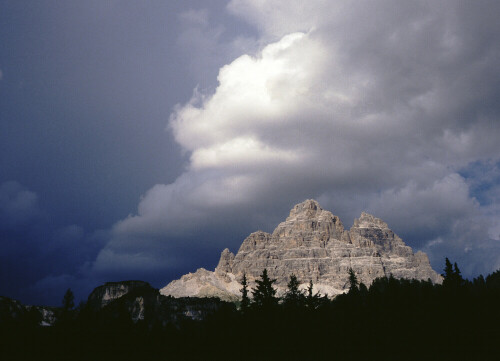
[[372, 105]]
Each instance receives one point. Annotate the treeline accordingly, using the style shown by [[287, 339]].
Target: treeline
[[392, 319]]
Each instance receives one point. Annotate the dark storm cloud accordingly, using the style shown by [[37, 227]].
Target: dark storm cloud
[[18, 205], [85, 92], [33, 249], [88, 92]]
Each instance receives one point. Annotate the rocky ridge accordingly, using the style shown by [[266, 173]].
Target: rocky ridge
[[312, 244], [115, 302], [110, 291], [12, 311], [138, 301]]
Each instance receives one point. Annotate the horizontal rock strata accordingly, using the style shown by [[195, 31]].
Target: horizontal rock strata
[[312, 244]]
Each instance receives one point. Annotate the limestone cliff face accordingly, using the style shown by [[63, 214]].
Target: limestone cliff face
[[110, 291], [137, 301], [13, 311], [312, 244]]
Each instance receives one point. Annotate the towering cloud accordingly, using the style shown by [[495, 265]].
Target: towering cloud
[[378, 106]]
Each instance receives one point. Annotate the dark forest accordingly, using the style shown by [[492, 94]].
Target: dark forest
[[391, 319]]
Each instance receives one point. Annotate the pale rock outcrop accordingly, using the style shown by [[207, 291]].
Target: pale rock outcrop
[[14, 311], [137, 301], [312, 244], [110, 291], [204, 283]]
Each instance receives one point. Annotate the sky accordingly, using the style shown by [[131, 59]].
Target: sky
[[140, 139]]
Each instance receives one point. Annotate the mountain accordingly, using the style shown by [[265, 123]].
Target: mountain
[[110, 291], [115, 303], [14, 312], [312, 244], [138, 301]]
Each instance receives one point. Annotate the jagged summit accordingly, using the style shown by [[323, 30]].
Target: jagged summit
[[368, 221], [312, 244], [309, 209]]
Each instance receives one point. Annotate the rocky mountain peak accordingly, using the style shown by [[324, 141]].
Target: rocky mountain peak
[[313, 245], [256, 240], [308, 221], [307, 209], [368, 221], [226, 261]]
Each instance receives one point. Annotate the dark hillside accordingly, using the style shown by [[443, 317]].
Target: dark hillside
[[391, 320]]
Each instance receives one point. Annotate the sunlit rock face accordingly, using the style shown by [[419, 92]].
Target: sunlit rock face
[[313, 245]]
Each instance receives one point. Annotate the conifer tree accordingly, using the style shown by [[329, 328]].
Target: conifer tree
[[245, 300], [448, 275], [452, 275], [68, 300], [311, 298], [264, 294], [457, 276], [363, 289], [293, 296], [479, 282], [68, 303], [353, 281], [310, 289]]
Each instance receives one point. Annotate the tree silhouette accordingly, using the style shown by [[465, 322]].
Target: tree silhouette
[[245, 300], [353, 281], [448, 274], [493, 280], [293, 296], [457, 276], [68, 303], [68, 300], [264, 294], [452, 275], [311, 298]]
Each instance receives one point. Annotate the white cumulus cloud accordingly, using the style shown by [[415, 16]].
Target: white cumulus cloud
[[366, 105]]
